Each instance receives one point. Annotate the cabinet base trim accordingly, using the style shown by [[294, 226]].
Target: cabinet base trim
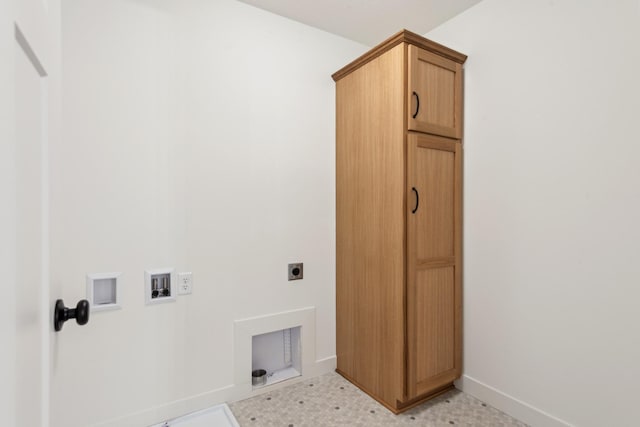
[[404, 406], [508, 404], [400, 406]]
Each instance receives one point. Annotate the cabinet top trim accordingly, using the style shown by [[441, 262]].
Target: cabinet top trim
[[403, 36]]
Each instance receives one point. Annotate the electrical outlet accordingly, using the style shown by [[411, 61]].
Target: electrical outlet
[[295, 271], [185, 283]]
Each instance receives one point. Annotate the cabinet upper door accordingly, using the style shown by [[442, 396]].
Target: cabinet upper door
[[434, 94]]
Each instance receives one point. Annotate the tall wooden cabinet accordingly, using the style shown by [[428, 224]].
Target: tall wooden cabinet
[[398, 220]]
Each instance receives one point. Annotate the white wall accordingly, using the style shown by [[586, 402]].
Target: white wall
[[551, 207], [198, 135]]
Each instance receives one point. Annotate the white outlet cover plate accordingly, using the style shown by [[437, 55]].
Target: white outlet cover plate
[[185, 283]]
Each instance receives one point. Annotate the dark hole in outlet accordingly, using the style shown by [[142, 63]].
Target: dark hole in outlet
[[295, 271]]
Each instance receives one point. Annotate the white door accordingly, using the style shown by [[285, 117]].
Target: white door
[[32, 317], [34, 33]]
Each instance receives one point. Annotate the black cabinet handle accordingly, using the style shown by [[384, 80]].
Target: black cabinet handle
[[417, 200], [61, 314], [417, 104]]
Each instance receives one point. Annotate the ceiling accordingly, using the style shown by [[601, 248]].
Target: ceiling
[[367, 21]]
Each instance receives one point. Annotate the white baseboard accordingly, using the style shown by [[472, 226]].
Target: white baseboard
[[509, 404], [205, 400], [323, 366]]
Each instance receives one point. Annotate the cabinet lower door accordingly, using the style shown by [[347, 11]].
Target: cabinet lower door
[[433, 263]]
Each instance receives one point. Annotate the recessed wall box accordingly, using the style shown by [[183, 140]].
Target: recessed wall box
[[278, 354], [160, 285], [103, 291]]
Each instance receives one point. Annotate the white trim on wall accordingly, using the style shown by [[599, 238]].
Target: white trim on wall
[[509, 404]]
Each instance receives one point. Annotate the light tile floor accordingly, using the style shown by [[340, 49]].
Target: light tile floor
[[330, 400]]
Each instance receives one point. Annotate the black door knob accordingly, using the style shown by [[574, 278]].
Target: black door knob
[[61, 313]]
